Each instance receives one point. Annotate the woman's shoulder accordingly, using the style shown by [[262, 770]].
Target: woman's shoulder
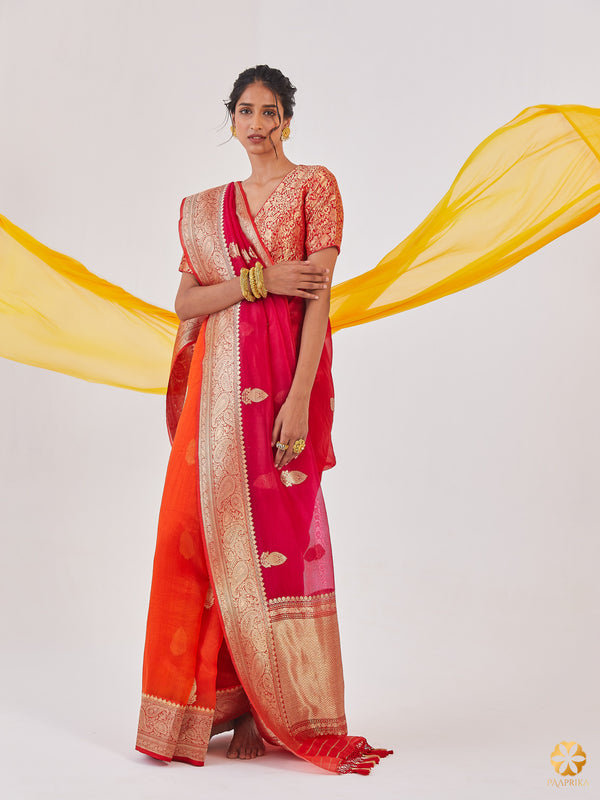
[[314, 173], [207, 194]]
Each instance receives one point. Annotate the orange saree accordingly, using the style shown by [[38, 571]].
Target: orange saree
[[242, 609]]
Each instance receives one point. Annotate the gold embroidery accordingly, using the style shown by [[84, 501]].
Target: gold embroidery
[[245, 256], [302, 607], [234, 250], [253, 396], [227, 514], [224, 491], [174, 731], [273, 559], [309, 728], [303, 216], [210, 598], [302, 598], [310, 673], [194, 734], [291, 477], [193, 694], [201, 236], [158, 728], [231, 703]]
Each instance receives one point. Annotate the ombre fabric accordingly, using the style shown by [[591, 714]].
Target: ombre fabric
[[267, 558], [527, 183]]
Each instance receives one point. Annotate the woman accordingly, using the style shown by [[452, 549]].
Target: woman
[[242, 628]]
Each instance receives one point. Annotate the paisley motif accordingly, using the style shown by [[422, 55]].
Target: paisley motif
[[253, 396], [291, 477], [273, 559]]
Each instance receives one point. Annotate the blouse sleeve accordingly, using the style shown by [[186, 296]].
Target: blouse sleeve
[[324, 212]]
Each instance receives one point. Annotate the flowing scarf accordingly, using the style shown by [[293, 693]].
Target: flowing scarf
[[528, 182]]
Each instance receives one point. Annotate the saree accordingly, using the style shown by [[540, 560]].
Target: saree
[[242, 609]]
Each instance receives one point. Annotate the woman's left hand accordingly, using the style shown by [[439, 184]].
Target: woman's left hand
[[290, 425]]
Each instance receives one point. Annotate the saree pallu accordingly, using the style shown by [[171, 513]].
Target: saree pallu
[[252, 561]]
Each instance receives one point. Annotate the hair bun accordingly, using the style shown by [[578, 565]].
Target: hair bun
[[272, 78]]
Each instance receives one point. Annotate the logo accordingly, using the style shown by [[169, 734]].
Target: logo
[[568, 759]]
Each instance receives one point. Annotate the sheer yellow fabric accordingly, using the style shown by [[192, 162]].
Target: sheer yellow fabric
[[55, 314], [530, 181]]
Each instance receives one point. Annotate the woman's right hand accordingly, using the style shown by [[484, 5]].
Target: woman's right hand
[[296, 279]]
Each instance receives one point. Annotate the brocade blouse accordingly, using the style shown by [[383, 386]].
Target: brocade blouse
[[302, 215]]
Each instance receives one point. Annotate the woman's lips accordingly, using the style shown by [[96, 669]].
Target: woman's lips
[[256, 138]]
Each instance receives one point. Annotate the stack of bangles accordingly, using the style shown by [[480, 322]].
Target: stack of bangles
[[253, 283]]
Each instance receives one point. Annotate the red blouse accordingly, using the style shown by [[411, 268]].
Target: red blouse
[[302, 215]]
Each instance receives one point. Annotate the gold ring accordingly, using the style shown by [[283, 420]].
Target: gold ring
[[299, 446], [282, 446]]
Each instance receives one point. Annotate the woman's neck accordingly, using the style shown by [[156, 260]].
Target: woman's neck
[[266, 169]]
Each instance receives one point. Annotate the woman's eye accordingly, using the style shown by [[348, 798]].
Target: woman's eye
[[270, 113]]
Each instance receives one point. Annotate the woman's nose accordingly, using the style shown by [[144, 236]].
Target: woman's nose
[[256, 123]]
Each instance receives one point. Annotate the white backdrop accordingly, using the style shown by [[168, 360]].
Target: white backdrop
[[466, 431]]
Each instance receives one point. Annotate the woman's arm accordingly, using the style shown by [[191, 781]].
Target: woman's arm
[[194, 300], [291, 278], [291, 422]]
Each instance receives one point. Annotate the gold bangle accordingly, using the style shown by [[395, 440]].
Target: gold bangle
[[260, 280], [253, 285], [245, 285]]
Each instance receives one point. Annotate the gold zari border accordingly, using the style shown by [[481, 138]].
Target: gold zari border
[[170, 730]]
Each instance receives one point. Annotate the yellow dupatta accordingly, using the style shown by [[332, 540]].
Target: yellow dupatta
[[530, 181]]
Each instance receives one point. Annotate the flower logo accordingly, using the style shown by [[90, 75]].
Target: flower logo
[[568, 758]]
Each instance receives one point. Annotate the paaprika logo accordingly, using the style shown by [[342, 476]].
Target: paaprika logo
[[568, 759]]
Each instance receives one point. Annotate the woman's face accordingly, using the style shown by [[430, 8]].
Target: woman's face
[[259, 113]]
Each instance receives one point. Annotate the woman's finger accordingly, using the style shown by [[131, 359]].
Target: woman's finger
[[289, 453], [276, 430], [313, 277], [310, 286], [280, 452]]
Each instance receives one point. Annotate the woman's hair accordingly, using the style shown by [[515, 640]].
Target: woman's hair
[[270, 77]]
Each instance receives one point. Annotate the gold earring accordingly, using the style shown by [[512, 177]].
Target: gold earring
[[285, 134], [233, 130]]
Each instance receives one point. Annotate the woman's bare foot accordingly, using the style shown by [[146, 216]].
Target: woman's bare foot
[[247, 741]]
